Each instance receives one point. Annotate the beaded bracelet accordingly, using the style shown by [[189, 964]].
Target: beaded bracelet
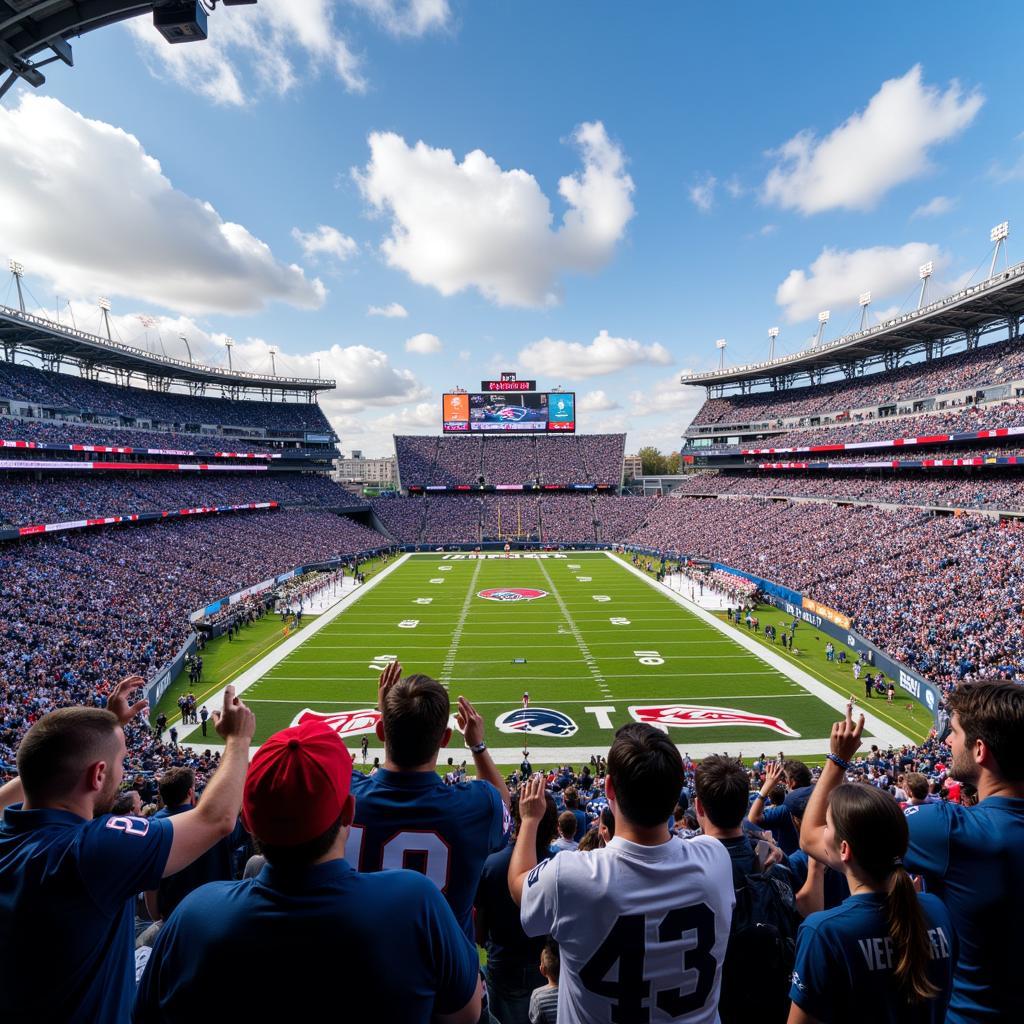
[[836, 759]]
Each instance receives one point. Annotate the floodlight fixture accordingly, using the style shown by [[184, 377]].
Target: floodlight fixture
[[147, 321], [273, 352], [824, 315], [822, 320], [865, 299], [773, 333], [188, 347], [104, 304], [16, 268], [925, 270], [720, 345], [229, 344], [999, 232]]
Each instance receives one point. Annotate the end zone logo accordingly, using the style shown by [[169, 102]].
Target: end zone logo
[[537, 721], [695, 716], [344, 723], [511, 594]]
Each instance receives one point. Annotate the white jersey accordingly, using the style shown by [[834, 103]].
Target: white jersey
[[642, 930]]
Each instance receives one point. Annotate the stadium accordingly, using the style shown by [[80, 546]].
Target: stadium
[[486, 686]]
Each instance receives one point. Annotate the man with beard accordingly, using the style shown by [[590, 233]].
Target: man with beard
[[69, 870], [973, 858]]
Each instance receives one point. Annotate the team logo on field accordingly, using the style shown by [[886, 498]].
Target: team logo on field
[[695, 716], [537, 721], [511, 594], [344, 723]]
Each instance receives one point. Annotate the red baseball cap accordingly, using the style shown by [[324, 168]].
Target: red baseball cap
[[296, 785]]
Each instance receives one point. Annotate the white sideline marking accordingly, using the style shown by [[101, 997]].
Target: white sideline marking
[[449, 660], [256, 672], [880, 730]]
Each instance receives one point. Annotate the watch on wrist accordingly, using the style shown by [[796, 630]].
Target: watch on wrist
[[479, 748]]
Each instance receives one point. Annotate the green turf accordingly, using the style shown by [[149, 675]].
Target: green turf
[[576, 658]]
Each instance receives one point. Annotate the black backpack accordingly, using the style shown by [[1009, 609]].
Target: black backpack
[[762, 948]]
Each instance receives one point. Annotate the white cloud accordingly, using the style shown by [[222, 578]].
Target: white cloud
[[735, 187], [837, 277], [392, 310], [325, 241], [473, 225], [768, 229], [423, 416], [572, 360], [423, 344], [935, 207], [667, 395], [87, 209], [872, 151], [255, 50], [409, 18], [702, 195], [595, 401]]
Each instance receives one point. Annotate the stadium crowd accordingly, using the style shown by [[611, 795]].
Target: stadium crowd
[[871, 887], [998, 363]]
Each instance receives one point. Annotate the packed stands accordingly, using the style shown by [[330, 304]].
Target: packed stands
[[510, 516], [567, 518], [509, 460]]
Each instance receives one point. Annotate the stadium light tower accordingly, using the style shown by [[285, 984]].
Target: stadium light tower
[[865, 301], [822, 320], [18, 271], [273, 366], [925, 270], [773, 333], [104, 304], [998, 234], [188, 348], [229, 344], [720, 345]]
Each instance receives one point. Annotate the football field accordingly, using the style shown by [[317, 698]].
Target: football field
[[594, 642]]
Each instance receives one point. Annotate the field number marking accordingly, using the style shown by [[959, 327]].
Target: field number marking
[[408, 623], [649, 658], [618, 620], [603, 598], [381, 661], [423, 600]]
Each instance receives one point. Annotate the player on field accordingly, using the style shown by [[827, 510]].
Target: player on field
[[70, 871], [526, 699], [642, 924], [406, 817], [383, 947]]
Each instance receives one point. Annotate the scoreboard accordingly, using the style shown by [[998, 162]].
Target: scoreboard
[[504, 412]]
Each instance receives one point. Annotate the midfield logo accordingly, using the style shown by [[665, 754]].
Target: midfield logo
[[511, 594], [537, 721], [695, 716], [344, 723]]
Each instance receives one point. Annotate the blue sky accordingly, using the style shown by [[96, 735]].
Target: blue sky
[[644, 179]]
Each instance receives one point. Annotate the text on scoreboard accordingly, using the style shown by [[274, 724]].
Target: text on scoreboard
[[540, 412]]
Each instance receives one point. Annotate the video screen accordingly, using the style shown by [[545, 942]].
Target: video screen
[[539, 412]]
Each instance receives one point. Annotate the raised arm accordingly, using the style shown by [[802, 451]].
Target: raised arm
[[532, 804], [844, 743], [472, 725], [772, 774], [215, 815]]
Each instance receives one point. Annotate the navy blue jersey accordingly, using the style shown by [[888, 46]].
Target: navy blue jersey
[[779, 822], [413, 820], [67, 923], [216, 865], [382, 947], [973, 860], [508, 946], [845, 959], [837, 888]]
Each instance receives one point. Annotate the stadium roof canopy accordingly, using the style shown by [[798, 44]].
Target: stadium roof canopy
[[34, 33], [996, 304], [55, 342]]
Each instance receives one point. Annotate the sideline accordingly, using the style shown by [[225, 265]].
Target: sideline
[[881, 731], [254, 674]]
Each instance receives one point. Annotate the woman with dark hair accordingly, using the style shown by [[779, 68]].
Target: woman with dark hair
[[886, 951]]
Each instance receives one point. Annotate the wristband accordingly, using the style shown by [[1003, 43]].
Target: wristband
[[760, 796], [479, 748], [836, 759]]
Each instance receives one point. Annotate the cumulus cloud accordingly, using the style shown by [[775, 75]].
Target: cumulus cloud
[[392, 310], [935, 207], [472, 224], [837, 277], [667, 395], [86, 208], [572, 360], [325, 241], [422, 416], [256, 50], [595, 401], [702, 195], [411, 18], [872, 151], [423, 344]]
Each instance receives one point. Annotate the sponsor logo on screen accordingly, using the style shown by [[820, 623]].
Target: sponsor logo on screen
[[699, 716], [537, 722], [511, 594], [344, 723]]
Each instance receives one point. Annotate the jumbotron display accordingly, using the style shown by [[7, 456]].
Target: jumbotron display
[[539, 412]]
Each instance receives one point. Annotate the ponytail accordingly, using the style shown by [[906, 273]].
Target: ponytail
[[909, 934], [875, 828]]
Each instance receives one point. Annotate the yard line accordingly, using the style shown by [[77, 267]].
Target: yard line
[[449, 661], [481, 703]]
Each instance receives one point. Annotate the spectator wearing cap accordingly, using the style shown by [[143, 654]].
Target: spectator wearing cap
[[828, 886], [385, 946]]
